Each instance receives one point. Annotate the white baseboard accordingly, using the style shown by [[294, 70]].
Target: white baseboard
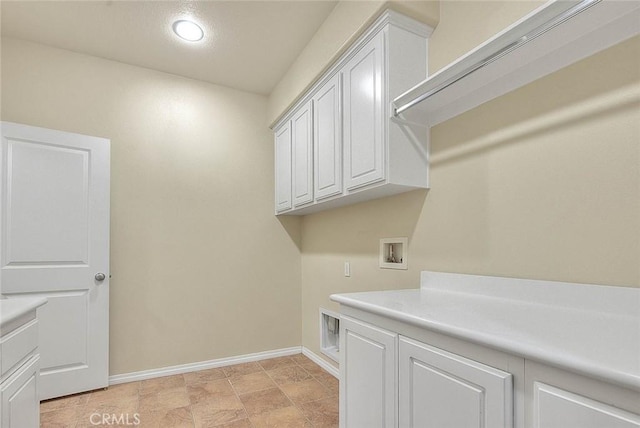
[[203, 365], [321, 362]]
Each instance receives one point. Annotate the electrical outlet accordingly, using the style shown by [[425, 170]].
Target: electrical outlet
[[347, 269]]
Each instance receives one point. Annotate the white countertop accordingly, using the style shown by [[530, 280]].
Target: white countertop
[[14, 308], [592, 330]]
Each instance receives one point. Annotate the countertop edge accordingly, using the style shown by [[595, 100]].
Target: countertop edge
[[28, 304], [549, 357]]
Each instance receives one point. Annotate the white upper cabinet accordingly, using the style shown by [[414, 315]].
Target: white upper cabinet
[[327, 139], [359, 152], [301, 132], [283, 167], [363, 115]]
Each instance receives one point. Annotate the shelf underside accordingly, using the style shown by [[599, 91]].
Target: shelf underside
[[600, 26]]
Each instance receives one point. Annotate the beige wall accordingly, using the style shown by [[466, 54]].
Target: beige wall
[[465, 24], [345, 23], [202, 269], [476, 20], [542, 183]]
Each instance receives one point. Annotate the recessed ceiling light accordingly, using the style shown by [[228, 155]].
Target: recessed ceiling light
[[188, 30]]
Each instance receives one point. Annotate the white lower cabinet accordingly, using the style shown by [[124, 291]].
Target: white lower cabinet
[[555, 407], [20, 403], [560, 399], [368, 395], [19, 363], [389, 380], [439, 389], [492, 352]]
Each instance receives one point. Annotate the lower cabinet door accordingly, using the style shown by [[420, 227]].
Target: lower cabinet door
[[368, 387], [439, 389], [20, 402], [557, 408]]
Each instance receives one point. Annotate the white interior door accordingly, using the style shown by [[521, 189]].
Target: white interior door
[[55, 243]]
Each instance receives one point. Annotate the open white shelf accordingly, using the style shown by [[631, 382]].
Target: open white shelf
[[555, 35]]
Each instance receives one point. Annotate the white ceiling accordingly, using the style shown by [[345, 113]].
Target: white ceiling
[[248, 45]]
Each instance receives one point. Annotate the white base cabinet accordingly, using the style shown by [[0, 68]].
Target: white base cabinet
[[439, 389], [555, 407], [391, 380], [20, 403], [557, 398], [388, 380], [398, 375], [492, 352], [19, 363], [368, 392]]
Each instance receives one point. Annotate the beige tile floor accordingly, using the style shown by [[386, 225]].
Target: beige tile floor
[[280, 392]]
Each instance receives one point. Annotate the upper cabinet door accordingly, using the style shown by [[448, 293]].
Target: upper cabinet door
[[327, 139], [301, 131], [358, 153], [283, 167], [364, 153]]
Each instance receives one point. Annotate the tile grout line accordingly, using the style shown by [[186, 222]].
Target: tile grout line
[[286, 395], [239, 399], [283, 392], [228, 379], [193, 418], [322, 383]]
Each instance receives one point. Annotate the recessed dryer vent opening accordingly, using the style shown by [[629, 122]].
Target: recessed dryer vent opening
[[330, 334]]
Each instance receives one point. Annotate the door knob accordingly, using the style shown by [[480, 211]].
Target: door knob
[[100, 276]]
